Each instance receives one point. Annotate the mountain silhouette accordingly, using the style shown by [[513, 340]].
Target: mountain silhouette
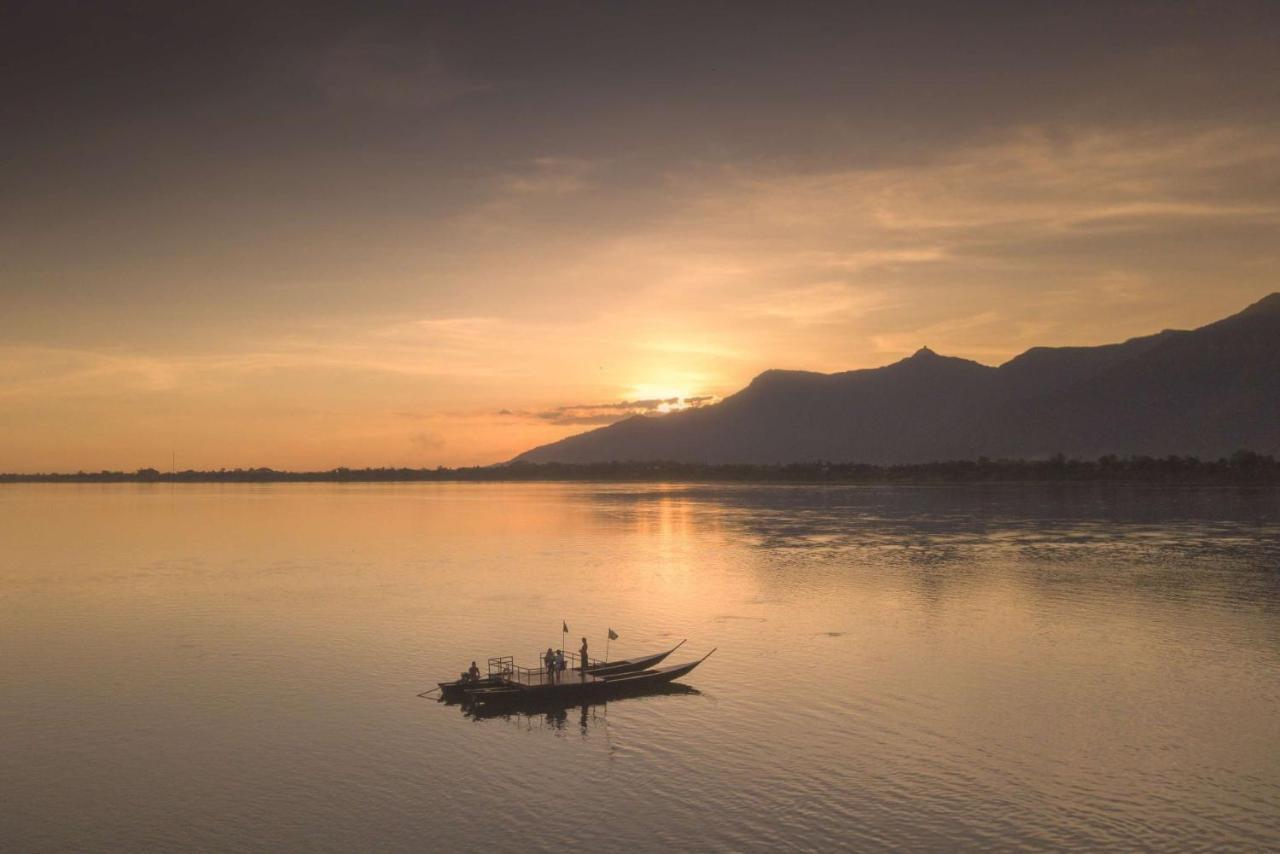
[[1206, 392]]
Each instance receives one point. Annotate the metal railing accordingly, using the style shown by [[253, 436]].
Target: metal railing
[[505, 668]]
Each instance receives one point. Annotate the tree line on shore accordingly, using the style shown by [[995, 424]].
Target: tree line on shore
[[1241, 467]]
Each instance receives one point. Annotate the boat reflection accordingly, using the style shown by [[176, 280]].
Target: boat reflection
[[557, 714]]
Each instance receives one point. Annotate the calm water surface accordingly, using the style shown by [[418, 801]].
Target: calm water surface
[[234, 668]]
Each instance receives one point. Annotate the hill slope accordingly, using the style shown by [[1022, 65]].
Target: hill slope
[[1206, 392]]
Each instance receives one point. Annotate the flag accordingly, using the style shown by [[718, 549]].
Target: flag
[[564, 627], [613, 635]]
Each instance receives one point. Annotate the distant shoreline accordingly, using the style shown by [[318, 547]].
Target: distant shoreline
[[1243, 467]]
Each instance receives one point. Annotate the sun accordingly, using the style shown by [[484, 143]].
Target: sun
[[666, 398]]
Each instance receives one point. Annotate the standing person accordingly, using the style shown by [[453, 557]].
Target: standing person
[[583, 661], [560, 663], [550, 661]]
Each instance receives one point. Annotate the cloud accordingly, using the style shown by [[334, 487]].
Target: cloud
[[1032, 183], [553, 176], [426, 441], [34, 371], [822, 302], [832, 268], [565, 418], [608, 413]]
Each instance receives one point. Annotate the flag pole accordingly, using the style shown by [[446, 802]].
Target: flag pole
[[607, 638]]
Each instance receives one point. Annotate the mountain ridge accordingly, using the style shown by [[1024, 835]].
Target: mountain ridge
[[1207, 391]]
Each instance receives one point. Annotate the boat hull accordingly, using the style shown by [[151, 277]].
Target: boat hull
[[631, 665], [456, 690]]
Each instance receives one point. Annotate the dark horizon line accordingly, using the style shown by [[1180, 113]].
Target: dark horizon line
[[1243, 466]]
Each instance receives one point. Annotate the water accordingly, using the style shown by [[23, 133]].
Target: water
[[234, 668]]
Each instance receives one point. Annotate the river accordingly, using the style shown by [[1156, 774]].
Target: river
[[236, 667]]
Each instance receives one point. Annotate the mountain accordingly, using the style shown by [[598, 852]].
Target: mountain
[[1206, 392]]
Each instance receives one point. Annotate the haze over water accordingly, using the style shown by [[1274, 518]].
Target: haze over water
[[234, 668]]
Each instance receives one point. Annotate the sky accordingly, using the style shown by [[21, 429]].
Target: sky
[[313, 235]]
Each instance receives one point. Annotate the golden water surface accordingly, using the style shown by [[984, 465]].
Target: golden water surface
[[235, 667]]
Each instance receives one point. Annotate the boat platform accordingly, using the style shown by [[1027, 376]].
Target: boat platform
[[504, 671]]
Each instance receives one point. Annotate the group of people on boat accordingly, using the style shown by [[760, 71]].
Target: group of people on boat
[[555, 662]]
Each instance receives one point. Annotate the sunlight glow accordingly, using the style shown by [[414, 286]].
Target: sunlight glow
[[648, 391]]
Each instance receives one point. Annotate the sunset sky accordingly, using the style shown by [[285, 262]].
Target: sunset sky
[[305, 236]]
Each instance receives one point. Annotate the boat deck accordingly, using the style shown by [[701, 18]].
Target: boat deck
[[523, 678], [507, 672]]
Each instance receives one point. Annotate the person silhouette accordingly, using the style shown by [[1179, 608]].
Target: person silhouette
[[584, 660], [550, 661]]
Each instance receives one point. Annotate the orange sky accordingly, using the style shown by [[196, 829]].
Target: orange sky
[[380, 242]]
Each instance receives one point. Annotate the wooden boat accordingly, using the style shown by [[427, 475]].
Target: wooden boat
[[573, 690], [631, 665], [456, 690]]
